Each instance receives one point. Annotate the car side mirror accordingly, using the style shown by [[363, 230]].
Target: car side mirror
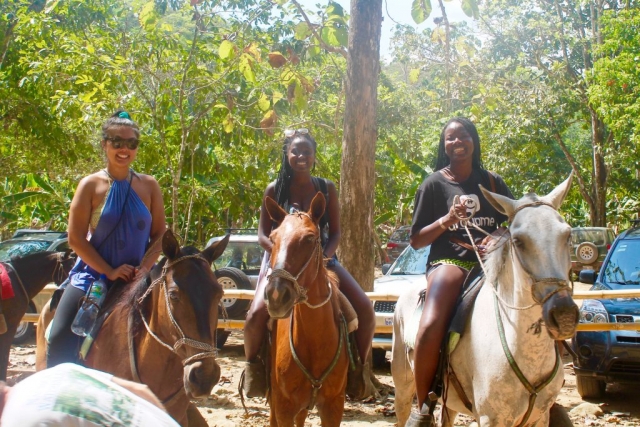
[[385, 268], [588, 277]]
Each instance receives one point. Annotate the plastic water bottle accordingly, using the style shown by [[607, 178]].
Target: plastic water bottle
[[88, 313]]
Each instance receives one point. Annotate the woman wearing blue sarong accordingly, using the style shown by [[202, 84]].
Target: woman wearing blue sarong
[[115, 215]]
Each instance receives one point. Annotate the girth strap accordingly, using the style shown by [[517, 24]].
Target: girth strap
[[533, 391]]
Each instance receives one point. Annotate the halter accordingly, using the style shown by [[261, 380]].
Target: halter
[[301, 292], [561, 284], [208, 350]]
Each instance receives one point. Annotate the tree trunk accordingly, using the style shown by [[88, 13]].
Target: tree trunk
[[599, 215], [357, 179]]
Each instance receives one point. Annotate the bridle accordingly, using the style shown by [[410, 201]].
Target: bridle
[[209, 351], [561, 284], [316, 255]]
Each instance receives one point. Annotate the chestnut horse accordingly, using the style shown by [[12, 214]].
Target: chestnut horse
[[29, 274], [160, 331], [308, 353]]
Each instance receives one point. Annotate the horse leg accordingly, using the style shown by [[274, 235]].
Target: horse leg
[[5, 344], [302, 416], [41, 343], [403, 380], [448, 417], [194, 417], [331, 412]]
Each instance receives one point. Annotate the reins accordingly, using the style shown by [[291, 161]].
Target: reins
[[561, 285], [301, 297]]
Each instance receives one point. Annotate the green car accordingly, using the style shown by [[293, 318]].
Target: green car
[[589, 247]]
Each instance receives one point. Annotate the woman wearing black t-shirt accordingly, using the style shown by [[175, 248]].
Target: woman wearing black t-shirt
[[459, 170]]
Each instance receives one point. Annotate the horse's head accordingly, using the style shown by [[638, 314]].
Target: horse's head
[[296, 257], [186, 296], [540, 242], [66, 261]]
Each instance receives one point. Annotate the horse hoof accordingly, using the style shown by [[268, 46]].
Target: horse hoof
[[254, 379], [420, 420]]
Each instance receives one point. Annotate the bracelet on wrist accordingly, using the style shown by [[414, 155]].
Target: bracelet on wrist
[[441, 222]]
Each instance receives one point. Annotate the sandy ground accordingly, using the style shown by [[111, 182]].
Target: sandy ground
[[620, 406]]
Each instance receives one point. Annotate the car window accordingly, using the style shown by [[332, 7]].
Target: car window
[[10, 248], [241, 255], [400, 235], [623, 266], [597, 237], [411, 261]]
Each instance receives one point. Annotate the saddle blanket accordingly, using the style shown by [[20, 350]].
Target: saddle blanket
[[6, 290]]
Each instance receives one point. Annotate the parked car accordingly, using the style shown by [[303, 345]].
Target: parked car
[[238, 267], [409, 268], [589, 247], [25, 242], [398, 241], [610, 356]]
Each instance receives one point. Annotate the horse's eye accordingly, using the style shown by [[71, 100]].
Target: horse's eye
[[519, 243], [174, 295]]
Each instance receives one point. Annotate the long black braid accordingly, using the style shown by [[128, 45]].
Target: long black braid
[[283, 182], [476, 162]]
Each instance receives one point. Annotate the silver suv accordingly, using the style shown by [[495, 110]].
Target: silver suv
[[238, 267]]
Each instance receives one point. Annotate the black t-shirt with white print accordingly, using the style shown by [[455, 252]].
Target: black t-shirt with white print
[[434, 199]]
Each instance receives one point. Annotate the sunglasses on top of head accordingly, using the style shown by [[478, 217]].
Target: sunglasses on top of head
[[117, 142], [291, 132]]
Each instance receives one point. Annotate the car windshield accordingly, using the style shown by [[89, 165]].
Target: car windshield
[[10, 248], [623, 267], [411, 261]]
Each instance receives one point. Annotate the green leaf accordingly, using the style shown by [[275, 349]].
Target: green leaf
[[420, 10], [21, 197], [228, 124], [148, 15], [384, 218], [263, 103], [277, 96], [302, 31], [414, 75], [43, 184], [300, 98], [246, 68], [330, 36], [281, 2], [226, 50], [470, 8]]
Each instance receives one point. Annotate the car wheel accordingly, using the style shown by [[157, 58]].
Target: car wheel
[[587, 253], [232, 278], [379, 357], [590, 387], [221, 338], [25, 329]]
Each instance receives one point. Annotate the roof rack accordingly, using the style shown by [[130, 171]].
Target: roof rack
[[26, 231]]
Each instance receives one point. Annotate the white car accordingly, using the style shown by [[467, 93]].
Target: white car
[[410, 267]]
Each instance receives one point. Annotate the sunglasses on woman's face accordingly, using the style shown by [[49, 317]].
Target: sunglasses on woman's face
[[118, 143], [291, 132]]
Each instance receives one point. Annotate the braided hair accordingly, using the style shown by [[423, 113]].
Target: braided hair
[[476, 162], [283, 181], [119, 119]]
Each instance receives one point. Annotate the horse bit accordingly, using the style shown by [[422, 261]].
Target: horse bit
[[208, 350]]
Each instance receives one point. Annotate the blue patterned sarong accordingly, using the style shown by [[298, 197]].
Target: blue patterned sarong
[[127, 243]]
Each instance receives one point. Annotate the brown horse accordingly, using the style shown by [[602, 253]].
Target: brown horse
[[161, 330], [29, 274], [308, 355]]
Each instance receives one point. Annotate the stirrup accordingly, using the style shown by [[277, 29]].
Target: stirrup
[[420, 420], [254, 379]]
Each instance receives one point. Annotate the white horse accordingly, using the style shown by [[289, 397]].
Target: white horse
[[527, 280]]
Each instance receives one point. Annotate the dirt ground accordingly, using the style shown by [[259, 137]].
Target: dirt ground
[[620, 406]]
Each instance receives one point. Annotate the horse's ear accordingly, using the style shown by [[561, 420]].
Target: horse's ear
[[170, 245], [274, 210], [318, 205], [556, 197], [215, 249], [501, 203]]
